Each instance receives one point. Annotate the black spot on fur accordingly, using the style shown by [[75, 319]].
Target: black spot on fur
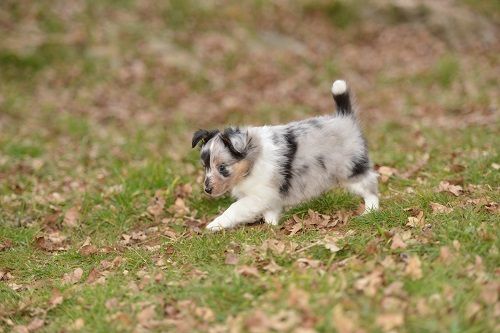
[[286, 168], [303, 169], [361, 165], [321, 161]]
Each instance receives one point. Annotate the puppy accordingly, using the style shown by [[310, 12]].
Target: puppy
[[270, 168]]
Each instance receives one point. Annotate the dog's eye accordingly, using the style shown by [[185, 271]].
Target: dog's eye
[[223, 170]]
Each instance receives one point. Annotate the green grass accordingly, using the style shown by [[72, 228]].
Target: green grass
[[99, 119]]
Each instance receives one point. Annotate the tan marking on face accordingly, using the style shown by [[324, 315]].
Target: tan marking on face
[[223, 184]]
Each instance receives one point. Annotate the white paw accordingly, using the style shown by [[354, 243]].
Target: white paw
[[371, 205], [272, 218], [217, 225]]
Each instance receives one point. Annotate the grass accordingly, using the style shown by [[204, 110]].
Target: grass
[[99, 120]]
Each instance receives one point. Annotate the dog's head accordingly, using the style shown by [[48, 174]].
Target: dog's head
[[226, 156]]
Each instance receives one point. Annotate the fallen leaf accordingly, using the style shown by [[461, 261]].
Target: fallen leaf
[[53, 241], [272, 267], [414, 268], [231, 259], [389, 321], [183, 190], [87, 250], [56, 299], [397, 242], [370, 283], [35, 324], [445, 186], [330, 244], [78, 324], [416, 221], [305, 262], [179, 208], [342, 322], [277, 247], [157, 204], [145, 316], [296, 228], [20, 329], [472, 310], [71, 217], [386, 172], [247, 271], [445, 254], [490, 292], [437, 208], [15, 286], [5, 244], [73, 277]]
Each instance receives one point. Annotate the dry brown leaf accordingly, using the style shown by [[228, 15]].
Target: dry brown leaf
[[386, 172], [56, 299], [305, 262], [73, 277], [330, 243], [87, 250], [490, 292], [437, 208], [389, 321], [397, 242], [272, 267], [5, 244], [472, 310], [183, 191], [445, 254], [179, 207], [370, 283], [146, 315], [231, 259], [52, 241], [414, 268], [78, 324], [276, 246], [247, 271], [342, 322], [296, 228], [416, 221], [445, 186], [71, 217], [157, 204], [35, 324]]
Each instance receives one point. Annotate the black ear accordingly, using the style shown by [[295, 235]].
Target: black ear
[[203, 136], [226, 139]]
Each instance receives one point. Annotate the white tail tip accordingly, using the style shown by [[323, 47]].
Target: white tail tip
[[339, 87]]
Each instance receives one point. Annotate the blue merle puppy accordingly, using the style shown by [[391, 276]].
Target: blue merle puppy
[[270, 168]]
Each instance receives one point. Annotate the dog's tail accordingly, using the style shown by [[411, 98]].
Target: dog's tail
[[341, 97]]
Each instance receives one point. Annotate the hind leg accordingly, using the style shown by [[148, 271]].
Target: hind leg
[[366, 186]]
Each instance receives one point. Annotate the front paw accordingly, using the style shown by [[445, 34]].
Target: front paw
[[218, 224]]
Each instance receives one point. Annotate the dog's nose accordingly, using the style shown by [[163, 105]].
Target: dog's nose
[[208, 189]]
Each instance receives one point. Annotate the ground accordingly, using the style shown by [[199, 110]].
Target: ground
[[101, 208]]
